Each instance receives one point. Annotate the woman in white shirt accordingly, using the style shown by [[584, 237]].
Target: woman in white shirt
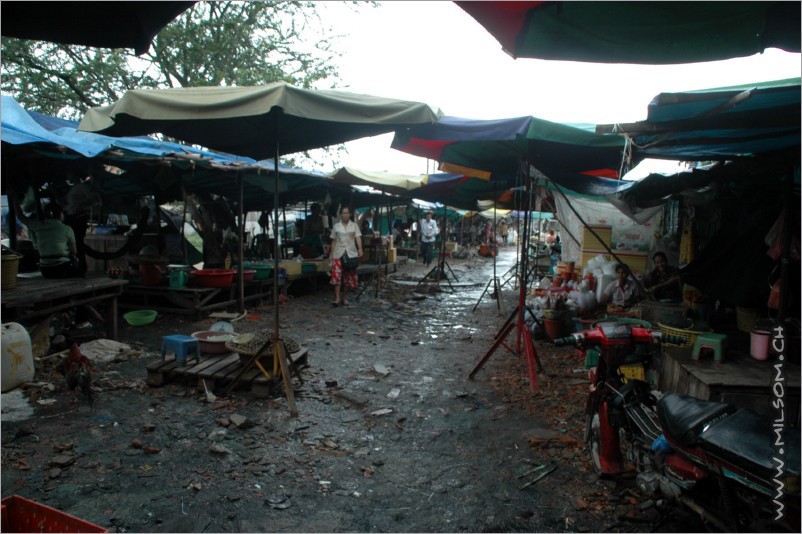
[[345, 239]]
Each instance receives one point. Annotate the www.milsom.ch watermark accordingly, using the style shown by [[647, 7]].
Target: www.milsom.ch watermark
[[778, 426]]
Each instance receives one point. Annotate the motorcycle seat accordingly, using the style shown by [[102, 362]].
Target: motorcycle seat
[[746, 439], [683, 417]]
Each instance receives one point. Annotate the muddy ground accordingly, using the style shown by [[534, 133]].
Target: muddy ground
[[420, 448]]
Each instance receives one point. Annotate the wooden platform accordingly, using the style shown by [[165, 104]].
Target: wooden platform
[[35, 297], [217, 371], [741, 380], [195, 301]]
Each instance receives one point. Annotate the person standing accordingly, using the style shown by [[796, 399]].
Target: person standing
[[503, 230], [429, 230], [346, 241]]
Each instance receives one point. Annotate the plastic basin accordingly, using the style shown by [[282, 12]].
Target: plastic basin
[[140, 317], [214, 277], [262, 272], [213, 342]]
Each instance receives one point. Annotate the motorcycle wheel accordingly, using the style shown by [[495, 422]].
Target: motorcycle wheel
[[593, 440]]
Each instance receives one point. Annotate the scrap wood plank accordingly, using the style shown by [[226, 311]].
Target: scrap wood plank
[[159, 371], [203, 365], [208, 372]]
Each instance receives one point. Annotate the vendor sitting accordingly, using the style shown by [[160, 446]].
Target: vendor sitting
[[663, 282], [55, 240], [623, 291]]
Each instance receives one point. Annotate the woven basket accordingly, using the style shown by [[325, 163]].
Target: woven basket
[[689, 336], [8, 274], [245, 355]]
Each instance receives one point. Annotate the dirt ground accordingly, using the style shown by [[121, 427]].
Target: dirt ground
[[391, 434]]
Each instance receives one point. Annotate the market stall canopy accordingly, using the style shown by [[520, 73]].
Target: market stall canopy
[[28, 135], [255, 121], [484, 148], [639, 32], [105, 25], [462, 191], [714, 124], [384, 181]]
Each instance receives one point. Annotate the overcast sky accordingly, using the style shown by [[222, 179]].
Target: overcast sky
[[436, 53]]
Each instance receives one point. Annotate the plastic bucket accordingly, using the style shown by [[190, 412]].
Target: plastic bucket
[[553, 327], [151, 274], [178, 279], [760, 344], [17, 362]]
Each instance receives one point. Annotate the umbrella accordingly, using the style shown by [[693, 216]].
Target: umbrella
[[461, 191], [384, 181], [499, 146], [259, 122], [255, 121], [106, 25], [639, 32]]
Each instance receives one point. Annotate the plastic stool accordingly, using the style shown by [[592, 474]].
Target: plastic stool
[[713, 341], [182, 346]]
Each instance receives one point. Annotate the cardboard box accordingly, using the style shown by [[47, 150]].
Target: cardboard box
[[589, 241], [292, 267], [451, 246], [636, 261]]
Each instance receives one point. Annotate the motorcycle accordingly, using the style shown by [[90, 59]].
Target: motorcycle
[[709, 456]]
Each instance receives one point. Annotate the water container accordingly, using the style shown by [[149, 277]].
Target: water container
[[178, 279], [17, 360]]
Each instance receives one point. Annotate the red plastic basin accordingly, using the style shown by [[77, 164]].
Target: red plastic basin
[[214, 277]]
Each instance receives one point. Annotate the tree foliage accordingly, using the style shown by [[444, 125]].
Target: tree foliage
[[211, 44]]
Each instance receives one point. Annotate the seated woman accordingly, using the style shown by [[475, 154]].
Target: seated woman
[[663, 282], [55, 241], [623, 291]]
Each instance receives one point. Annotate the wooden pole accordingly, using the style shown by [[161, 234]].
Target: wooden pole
[[241, 247]]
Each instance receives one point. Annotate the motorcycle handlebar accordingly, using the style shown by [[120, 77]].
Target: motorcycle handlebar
[[569, 341], [670, 338]]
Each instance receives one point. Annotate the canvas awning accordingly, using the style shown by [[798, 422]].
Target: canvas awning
[[639, 32], [715, 124], [119, 24], [64, 151]]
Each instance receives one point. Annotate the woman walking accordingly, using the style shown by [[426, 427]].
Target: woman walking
[[346, 243]]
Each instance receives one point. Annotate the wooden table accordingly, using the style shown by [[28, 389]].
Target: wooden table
[[193, 300], [741, 380], [36, 297]]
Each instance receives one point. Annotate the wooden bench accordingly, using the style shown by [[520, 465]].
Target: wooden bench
[[35, 297]]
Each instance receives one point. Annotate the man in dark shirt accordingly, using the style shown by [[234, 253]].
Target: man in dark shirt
[[663, 282]]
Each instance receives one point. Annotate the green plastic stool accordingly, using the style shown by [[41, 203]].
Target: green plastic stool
[[710, 340]]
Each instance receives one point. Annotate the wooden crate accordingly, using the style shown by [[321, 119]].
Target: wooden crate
[[635, 260], [589, 241]]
